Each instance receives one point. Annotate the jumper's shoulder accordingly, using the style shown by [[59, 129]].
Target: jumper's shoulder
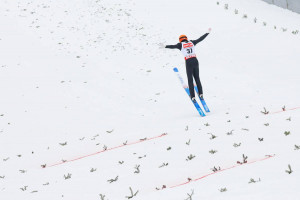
[[179, 46]]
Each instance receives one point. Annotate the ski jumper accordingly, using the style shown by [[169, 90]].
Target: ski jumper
[[187, 48]]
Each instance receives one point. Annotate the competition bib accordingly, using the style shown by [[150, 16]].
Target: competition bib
[[188, 50]]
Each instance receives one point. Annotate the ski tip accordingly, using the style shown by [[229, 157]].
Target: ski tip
[[175, 69]]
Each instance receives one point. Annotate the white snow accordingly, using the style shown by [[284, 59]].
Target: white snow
[[78, 77]]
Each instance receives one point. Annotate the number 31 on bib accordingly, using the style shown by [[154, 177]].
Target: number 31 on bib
[[188, 50]]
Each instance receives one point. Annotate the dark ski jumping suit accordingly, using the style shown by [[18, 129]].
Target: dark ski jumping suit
[[191, 62]]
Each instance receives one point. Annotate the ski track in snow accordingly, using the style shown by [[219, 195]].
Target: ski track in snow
[[87, 76]]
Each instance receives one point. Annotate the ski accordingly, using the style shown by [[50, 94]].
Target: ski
[[186, 88], [202, 101]]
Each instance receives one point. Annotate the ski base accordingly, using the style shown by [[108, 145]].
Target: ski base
[[202, 101]]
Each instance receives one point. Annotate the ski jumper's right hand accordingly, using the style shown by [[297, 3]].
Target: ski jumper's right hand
[[161, 46]]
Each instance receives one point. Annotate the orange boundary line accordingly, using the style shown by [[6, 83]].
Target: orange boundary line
[[284, 110], [225, 169], [109, 149]]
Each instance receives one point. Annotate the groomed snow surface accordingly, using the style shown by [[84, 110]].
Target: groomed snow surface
[[91, 109]]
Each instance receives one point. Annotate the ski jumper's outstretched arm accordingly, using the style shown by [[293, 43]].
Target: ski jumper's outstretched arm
[[199, 39], [176, 46]]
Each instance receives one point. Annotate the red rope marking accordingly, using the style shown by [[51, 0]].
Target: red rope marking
[[109, 149], [234, 166], [285, 110]]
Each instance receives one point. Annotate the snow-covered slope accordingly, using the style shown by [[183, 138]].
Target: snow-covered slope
[[90, 107]]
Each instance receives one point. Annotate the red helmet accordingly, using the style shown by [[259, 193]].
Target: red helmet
[[182, 37]]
